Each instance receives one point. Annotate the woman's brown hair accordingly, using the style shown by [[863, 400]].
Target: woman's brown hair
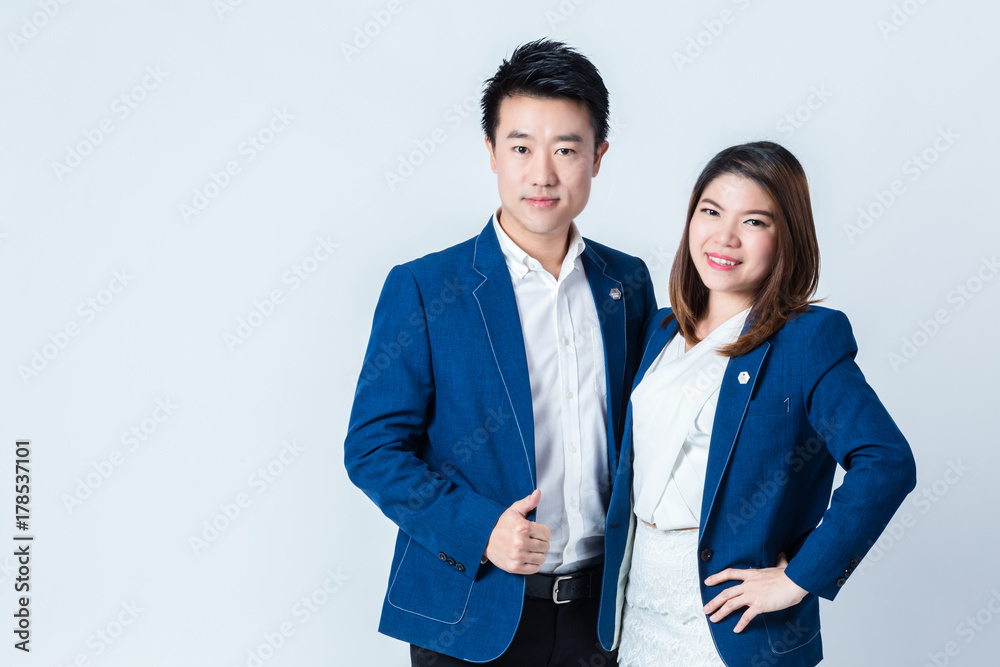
[[795, 274]]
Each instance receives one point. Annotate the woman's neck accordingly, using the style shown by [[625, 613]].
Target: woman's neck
[[721, 307]]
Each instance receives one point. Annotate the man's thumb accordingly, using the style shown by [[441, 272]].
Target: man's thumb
[[528, 503]]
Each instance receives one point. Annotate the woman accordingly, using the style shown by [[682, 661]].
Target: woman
[[746, 400]]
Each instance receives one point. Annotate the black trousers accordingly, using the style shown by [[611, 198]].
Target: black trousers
[[549, 635]]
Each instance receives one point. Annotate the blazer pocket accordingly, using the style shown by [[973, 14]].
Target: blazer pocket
[[428, 587], [794, 627], [768, 406]]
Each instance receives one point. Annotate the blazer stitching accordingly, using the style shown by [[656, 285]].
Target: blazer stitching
[[388, 595], [517, 422]]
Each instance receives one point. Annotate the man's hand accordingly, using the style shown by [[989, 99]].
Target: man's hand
[[517, 545], [764, 590]]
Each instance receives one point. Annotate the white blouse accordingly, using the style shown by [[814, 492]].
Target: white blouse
[[672, 413]]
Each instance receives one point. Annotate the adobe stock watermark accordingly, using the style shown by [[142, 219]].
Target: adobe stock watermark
[[247, 151], [921, 503], [264, 309], [121, 108], [960, 295], [422, 493], [899, 16], [795, 461], [562, 12], [914, 168], [131, 439], [370, 30], [223, 8], [302, 611], [42, 357], [452, 118], [795, 120], [230, 511], [712, 29], [378, 360], [967, 630], [446, 639], [102, 639], [32, 25], [7, 569]]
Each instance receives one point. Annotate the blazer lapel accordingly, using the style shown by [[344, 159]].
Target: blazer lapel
[[495, 296], [611, 315], [734, 397], [658, 339]]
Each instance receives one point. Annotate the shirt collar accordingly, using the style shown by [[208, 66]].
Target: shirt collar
[[520, 262]]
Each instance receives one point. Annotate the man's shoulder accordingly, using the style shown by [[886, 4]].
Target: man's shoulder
[[450, 260], [615, 259]]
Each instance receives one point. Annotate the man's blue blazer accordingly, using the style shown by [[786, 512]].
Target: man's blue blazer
[[802, 407], [441, 432]]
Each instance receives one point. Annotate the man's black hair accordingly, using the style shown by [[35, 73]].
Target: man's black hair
[[548, 70]]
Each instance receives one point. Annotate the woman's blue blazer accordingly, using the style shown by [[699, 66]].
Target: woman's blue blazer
[[789, 411]]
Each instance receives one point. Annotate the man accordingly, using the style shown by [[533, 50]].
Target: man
[[492, 393]]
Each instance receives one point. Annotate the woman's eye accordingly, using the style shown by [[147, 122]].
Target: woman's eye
[[709, 211], [756, 223]]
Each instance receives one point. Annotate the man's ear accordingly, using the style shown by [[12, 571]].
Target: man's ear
[[598, 154], [493, 154]]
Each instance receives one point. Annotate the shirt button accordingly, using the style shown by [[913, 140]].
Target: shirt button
[[565, 341], [572, 449], [569, 394]]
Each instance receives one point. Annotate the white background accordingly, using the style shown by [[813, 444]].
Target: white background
[[321, 179]]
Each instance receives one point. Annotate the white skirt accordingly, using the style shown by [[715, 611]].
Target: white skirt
[[663, 621]]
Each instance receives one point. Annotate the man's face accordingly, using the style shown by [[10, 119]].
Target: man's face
[[544, 160]]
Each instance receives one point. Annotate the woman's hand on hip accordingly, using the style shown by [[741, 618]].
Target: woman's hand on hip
[[763, 590]]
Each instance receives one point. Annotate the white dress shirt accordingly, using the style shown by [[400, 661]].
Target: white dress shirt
[[673, 409], [565, 353]]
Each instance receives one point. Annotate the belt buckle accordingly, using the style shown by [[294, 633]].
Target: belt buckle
[[555, 589]]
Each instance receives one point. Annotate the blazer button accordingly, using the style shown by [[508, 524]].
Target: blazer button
[[460, 567], [450, 561], [841, 581], [847, 573], [442, 556], [706, 555], [855, 562]]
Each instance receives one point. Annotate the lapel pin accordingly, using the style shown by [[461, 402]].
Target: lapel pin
[[743, 377], [616, 294]]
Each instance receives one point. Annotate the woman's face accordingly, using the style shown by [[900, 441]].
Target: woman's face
[[732, 238]]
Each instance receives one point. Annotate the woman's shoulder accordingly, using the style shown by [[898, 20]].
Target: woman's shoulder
[[818, 326]]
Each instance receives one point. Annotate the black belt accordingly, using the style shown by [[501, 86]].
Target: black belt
[[563, 588]]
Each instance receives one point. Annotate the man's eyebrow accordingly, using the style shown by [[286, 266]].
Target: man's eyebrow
[[521, 134]]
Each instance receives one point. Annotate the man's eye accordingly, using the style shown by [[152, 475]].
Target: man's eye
[[520, 149], [564, 151]]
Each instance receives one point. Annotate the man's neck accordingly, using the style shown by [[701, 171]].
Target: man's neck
[[549, 249]]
